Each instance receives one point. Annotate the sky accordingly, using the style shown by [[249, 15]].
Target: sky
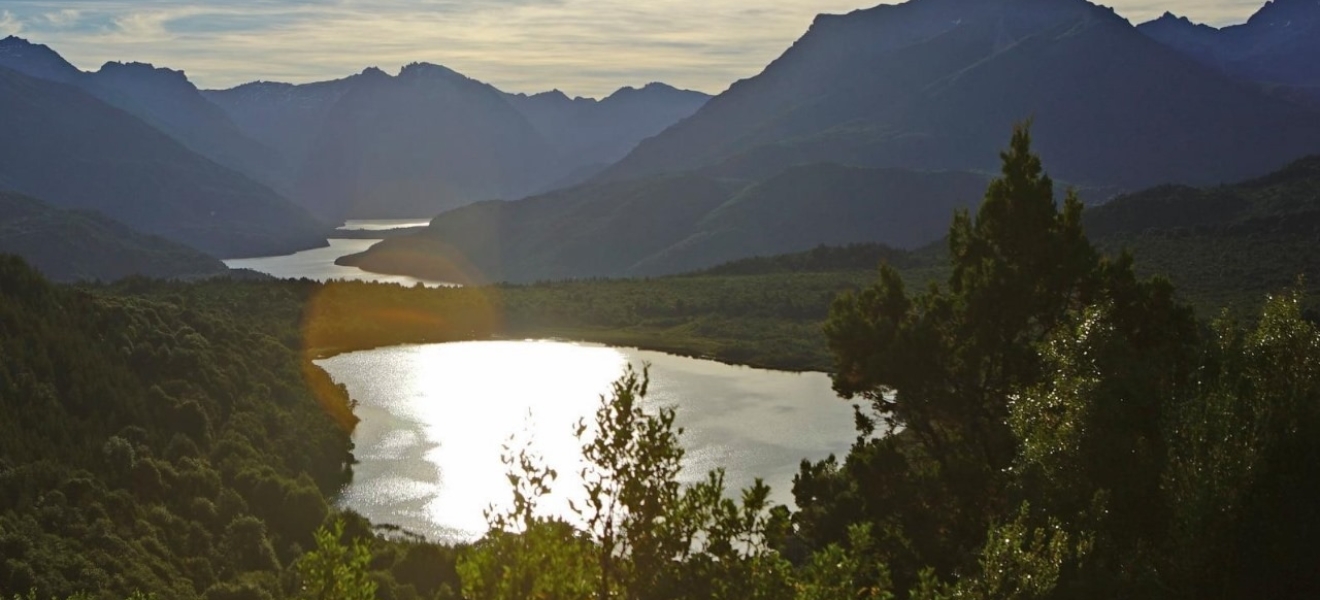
[[581, 47]]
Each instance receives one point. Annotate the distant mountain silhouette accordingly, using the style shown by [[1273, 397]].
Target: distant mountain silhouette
[[419, 143], [674, 223], [68, 148], [373, 145], [69, 245], [869, 130], [163, 98], [600, 132], [430, 139], [38, 60], [1277, 47], [934, 84], [285, 117]]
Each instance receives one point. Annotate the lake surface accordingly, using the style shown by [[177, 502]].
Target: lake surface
[[382, 224], [434, 419], [319, 264]]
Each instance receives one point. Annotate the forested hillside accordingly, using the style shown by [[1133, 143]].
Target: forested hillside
[[151, 445], [67, 245], [671, 224], [1223, 246]]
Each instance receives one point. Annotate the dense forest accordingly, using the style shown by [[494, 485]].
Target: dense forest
[[1063, 428], [72, 245], [158, 443]]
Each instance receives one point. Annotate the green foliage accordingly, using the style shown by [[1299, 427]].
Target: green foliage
[[336, 570], [631, 487], [1058, 428], [1020, 562], [132, 426], [526, 555], [943, 365], [641, 534], [846, 572], [1241, 477]]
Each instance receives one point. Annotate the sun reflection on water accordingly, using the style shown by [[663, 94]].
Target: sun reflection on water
[[435, 419]]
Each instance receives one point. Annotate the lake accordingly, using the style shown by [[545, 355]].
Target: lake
[[319, 263], [435, 417], [382, 224]]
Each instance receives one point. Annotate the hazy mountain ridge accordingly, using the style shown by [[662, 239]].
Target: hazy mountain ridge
[[932, 84], [436, 139], [75, 151], [614, 226], [162, 97], [70, 245], [600, 132], [1276, 48], [675, 223], [283, 116], [431, 139], [419, 143], [854, 133]]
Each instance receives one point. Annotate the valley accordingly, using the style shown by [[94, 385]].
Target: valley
[[975, 299]]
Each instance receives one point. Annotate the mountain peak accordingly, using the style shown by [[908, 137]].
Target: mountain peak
[[419, 70], [142, 68], [555, 95], [158, 78], [652, 89], [1287, 13], [1169, 22], [36, 60]]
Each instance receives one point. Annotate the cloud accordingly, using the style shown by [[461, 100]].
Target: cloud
[[62, 18], [586, 47], [9, 24]]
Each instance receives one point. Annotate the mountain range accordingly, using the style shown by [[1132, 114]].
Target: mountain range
[[375, 145], [217, 170], [66, 147], [379, 146], [1275, 49], [934, 84], [163, 98], [872, 128]]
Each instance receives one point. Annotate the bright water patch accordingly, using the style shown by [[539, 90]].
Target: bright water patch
[[382, 224], [435, 417], [319, 264]]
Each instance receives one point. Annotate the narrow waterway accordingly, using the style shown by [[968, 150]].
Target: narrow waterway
[[319, 263]]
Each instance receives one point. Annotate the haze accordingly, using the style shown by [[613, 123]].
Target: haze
[[583, 47]]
